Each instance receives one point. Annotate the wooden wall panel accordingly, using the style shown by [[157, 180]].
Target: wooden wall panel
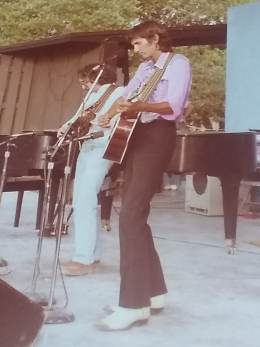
[[5, 72], [62, 85], [11, 96], [24, 95], [42, 92], [5, 63], [55, 91], [37, 101], [73, 96]]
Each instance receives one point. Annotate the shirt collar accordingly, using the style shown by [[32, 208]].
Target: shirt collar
[[160, 61]]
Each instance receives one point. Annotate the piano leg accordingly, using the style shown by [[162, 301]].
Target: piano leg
[[230, 190]]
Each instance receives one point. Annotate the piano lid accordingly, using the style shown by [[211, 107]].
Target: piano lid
[[214, 153]]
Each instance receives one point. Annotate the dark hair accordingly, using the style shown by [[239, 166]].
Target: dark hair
[[91, 71], [150, 28]]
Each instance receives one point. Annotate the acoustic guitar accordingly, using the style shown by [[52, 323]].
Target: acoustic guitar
[[119, 139], [124, 127]]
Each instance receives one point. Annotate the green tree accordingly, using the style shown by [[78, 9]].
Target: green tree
[[172, 12], [29, 19]]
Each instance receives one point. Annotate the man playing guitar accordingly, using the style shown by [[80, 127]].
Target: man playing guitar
[[142, 288]]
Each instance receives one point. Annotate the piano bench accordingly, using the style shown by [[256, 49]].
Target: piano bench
[[22, 184]]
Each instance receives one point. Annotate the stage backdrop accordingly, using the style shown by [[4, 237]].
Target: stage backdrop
[[243, 68]]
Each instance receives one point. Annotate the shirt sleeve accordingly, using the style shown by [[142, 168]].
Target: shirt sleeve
[[179, 83]]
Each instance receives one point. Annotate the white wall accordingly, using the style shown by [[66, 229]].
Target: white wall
[[243, 68]]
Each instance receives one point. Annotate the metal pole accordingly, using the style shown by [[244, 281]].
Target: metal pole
[[56, 314]]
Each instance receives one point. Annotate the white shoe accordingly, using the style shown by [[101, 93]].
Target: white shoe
[[231, 246], [170, 187], [157, 305], [4, 270], [124, 318]]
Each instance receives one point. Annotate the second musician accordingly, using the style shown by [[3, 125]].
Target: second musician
[[91, 170]]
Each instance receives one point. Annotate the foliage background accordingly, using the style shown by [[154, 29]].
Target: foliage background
[[25, 20]]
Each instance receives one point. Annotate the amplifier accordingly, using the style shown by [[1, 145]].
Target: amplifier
[[203, 195]]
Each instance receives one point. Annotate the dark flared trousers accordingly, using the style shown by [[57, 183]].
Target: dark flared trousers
[[148, 154]]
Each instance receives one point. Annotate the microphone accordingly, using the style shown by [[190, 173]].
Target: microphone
[[28, 133], [107, 61], [92, 136]]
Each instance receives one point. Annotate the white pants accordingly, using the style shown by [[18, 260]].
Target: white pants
[[90, 172]]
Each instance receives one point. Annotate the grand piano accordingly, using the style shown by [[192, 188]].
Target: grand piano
[[228, 156]]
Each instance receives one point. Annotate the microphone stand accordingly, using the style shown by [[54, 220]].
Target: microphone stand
[[58, 314], [41, 299]]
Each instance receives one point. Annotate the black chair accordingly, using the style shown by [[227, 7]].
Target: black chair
[[22, 184], [17, 177]]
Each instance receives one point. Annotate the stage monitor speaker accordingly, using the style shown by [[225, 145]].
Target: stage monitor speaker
[[203, 195], [20, 318]]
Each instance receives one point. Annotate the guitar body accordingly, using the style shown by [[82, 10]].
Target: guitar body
[[82, 124], [119, 139]]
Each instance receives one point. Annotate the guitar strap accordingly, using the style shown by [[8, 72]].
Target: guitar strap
[[104, 97], [151, 84]]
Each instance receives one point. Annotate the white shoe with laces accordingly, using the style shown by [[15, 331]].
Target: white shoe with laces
[[124, 318]]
